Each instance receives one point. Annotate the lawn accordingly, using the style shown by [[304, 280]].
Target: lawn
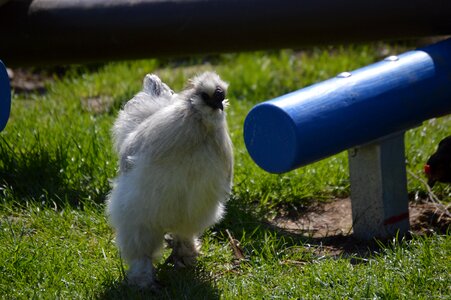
[[56, 163]]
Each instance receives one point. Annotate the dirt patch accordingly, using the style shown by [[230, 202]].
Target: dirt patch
[[319, 220], [329, 225], [98, 104], [335, 218], [29, 81], [427, 217]]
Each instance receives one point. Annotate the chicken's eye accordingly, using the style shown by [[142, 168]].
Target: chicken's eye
[[219, 94]]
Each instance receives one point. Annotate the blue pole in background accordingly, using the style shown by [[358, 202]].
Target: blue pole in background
[[5, 96], [351, 109]]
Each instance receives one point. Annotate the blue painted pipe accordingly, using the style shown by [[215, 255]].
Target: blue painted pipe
[[351, 109], [5, 96]]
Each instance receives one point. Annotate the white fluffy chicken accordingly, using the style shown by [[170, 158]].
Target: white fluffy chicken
[[175, 172]]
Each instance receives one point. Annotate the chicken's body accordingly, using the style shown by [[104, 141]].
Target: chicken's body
[[176, 166], [438, 166]]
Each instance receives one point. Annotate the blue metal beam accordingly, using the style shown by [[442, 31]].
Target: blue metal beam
[[351, 109]]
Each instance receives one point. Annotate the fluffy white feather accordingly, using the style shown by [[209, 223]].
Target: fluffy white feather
[[175, 171]]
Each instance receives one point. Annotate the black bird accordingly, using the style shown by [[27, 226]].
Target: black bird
[[438, 166]]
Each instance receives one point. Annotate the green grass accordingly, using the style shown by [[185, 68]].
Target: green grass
[[56, 161]]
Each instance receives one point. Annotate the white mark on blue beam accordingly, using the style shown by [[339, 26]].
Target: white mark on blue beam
[[392, 58], [344, 75]]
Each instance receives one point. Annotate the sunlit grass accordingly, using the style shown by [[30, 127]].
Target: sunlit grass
[[56, 161]]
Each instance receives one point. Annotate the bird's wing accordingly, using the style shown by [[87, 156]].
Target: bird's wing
[[153, 86], [154, 96]]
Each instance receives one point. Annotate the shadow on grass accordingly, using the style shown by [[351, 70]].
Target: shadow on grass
[[240, 219], [176, 284], [35, 174]]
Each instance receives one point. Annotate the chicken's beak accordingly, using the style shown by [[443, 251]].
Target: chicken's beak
[[218, 97]]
